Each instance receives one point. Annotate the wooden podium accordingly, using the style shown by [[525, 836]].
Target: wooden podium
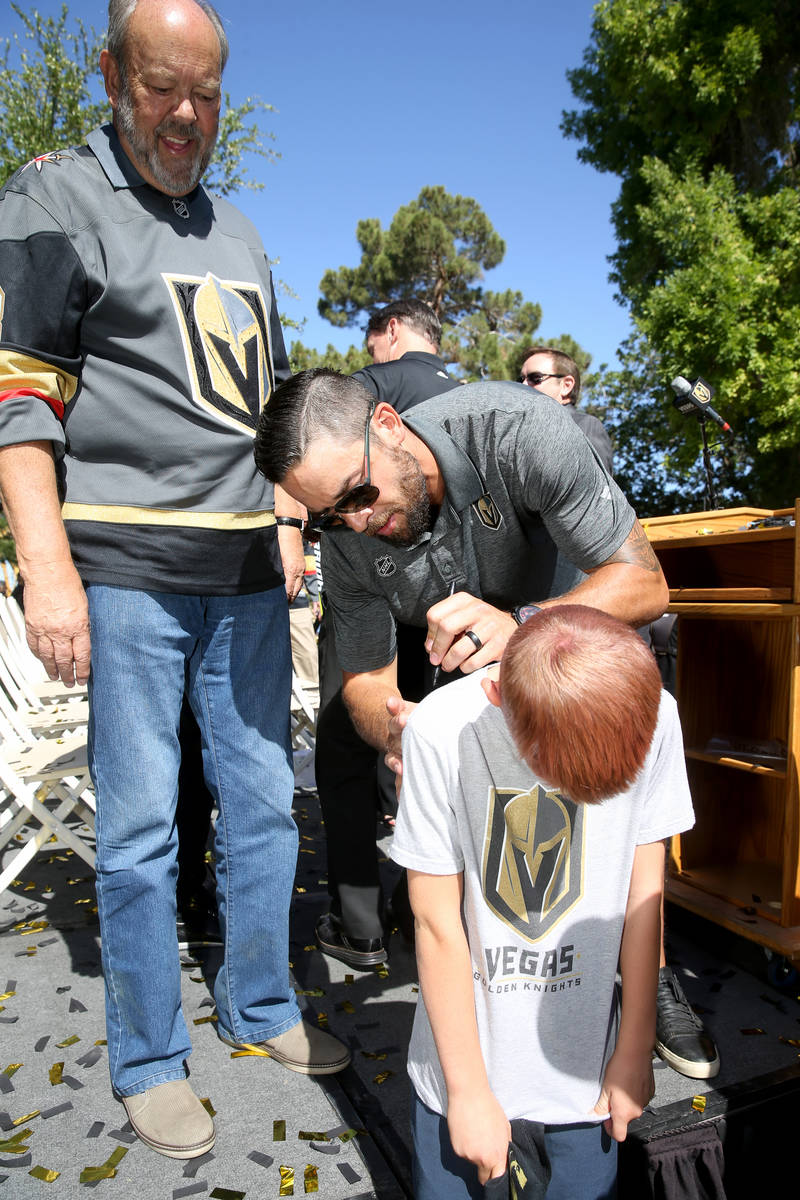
[[734, 582]]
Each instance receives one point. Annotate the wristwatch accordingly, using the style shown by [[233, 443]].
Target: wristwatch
[[297, 522], [524, 612]]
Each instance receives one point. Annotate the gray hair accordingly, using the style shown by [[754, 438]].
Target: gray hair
[[312, 404], [121, 11]]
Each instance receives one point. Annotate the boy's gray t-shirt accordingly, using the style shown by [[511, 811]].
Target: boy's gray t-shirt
[[545, 889]]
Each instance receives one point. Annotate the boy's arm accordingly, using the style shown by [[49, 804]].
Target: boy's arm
[[628, 1082], [479, 1129]]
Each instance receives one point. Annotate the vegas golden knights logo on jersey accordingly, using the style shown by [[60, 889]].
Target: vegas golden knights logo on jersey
[[225, 336], [532, 858]]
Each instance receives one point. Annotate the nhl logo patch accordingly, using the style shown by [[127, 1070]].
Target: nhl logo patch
[[385, 566], [487, 511]]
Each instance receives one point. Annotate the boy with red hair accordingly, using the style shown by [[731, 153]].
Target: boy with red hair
[[535, 802]]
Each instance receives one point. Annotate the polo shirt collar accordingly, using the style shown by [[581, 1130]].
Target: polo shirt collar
[[462, 480]]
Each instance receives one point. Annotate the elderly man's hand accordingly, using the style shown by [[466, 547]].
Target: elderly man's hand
[[453, 620], [57, 622], [399, 711], [290, 541]]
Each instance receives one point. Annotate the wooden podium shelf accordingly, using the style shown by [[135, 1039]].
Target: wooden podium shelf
[[734, 582]]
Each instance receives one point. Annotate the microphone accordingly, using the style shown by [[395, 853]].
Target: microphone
[[696, 397]]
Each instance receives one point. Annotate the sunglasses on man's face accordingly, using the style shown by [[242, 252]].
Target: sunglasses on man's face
[[362, 496], [534, 378]]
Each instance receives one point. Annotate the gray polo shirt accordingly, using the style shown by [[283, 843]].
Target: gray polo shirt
[[528, 507]]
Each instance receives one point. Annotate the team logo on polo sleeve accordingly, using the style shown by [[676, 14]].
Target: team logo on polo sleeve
[[225, 334], [532, 859]]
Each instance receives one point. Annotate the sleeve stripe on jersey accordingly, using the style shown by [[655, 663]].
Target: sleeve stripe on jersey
[[55, 402]]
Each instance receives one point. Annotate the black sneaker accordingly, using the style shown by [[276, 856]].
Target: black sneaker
[[681, 1039], [360, 953]]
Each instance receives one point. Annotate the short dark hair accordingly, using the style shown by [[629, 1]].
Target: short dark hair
[[564, 365], [309, 405], [414, 313], [119, 16]]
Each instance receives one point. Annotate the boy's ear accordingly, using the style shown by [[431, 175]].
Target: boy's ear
[[492, 689]]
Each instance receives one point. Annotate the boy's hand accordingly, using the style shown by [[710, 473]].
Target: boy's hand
[[399, 711], [628, 1085], [480, 1132]]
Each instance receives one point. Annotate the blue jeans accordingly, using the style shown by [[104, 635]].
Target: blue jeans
[[583, 1160], [239, 681]]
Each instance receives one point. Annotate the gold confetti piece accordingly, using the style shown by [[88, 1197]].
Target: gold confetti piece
[[382, 1077], [377, 1057], [29, 887], [313, 946], [70, 1041], [752, 1031], [348, 980], [305, 1136], [318, 991], [101, 1042], [322, 1020], [34, 927], [790, 1042], [196, 979], [87, 900], [348, 1006], [12, 1069], [44, 1174], [248, 1051], [699, 1103], [55, 1073], [205, 1020], [347, 1136], [310, 1181], [28, 1117], [287, 1181], [300, 890], [382, 970], [13, 1145], [208, 1106], [7, 995], [279, 1131], [108, 1169]]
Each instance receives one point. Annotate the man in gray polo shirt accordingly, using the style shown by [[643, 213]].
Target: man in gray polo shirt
[[468, 502]]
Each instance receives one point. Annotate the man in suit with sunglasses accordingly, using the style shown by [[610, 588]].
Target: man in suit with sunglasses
[[558, 376]]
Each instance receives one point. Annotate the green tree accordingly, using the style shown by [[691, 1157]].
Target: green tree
[[302, 358], [51, 97], [436, 249], [696, 106]]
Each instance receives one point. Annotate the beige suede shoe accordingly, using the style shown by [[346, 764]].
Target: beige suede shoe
[[170, 1119], [303, 1048]]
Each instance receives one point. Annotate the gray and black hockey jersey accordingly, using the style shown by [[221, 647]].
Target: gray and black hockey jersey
[[138, 335]]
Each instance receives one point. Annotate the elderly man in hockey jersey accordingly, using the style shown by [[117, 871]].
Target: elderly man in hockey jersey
[[139, 341]]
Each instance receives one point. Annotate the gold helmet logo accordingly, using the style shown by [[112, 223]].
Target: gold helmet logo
[[225, 336], [488, 512], [533, 859]]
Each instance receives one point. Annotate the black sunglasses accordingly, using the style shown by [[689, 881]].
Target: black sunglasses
[[534, 378], [355, 500]]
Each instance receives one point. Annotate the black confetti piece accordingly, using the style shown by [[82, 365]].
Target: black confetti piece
[[122, 1135], [76, 1006], [6, 1124], [5, 1084], [89, 1058], [42, 1042], [96, 1129], [191, 1189], [194, 1165], [261, 1160], [71, 1082], [349, 1174], [24, 1160], [326, 1147], [58, 1108]]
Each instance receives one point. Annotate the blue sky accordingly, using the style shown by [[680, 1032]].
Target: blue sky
[[375, 102]]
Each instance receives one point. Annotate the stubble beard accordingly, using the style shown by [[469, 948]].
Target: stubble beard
[[415, 507]]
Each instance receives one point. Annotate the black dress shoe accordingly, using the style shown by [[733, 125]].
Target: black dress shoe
[[681, 1039], [360, 953]]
